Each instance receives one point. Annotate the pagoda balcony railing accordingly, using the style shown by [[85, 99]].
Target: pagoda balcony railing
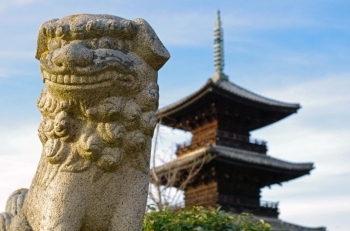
[[240, 137], [249, 205], [269, 204], [246, 202], [227, 139], [265, 208], [263, 204]]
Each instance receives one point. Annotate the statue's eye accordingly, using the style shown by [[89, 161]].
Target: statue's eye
[[90, 43], [94, 44], [107, 43], [54, 44]]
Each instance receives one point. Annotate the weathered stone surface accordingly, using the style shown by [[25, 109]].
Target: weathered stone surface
[[15, 201], [5, 220], [99, 112]]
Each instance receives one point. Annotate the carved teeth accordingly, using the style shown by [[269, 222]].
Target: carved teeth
[[93, 79], [46, 76], [82, 80], [59, 79], [87, 79], [53, 78], [78, 80], [66, 79], [101, 77], [74, 79]]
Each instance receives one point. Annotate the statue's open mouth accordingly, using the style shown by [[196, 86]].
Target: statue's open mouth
[[77, 80]]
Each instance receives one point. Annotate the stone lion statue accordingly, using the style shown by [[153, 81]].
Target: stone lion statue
[[99, 112]]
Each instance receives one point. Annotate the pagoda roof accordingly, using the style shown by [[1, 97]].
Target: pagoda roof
[[238, 157], [225, 90], [239, 91], [233, 90]]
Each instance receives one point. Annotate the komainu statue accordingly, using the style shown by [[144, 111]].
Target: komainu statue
[[99, 112]]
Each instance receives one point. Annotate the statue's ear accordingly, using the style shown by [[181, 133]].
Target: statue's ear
[[148, 46], [44, 34]]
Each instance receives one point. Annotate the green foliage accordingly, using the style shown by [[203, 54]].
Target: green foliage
[[200, 219]]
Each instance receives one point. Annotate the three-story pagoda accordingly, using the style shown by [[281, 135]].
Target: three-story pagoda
[[232, 167]]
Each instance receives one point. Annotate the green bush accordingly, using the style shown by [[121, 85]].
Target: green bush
[[200, 219]]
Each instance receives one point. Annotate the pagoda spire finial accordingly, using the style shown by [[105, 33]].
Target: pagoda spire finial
[[218, 50]]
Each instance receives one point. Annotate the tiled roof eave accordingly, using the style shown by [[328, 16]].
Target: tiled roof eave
[[183, 161], [259, 159], [235, 155], [243, 93], [232, 89]]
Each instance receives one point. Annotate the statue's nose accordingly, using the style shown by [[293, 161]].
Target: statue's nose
[[70, 55]]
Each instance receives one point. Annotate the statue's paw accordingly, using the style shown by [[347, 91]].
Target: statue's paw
[[15, 201], [19, 223], [5, 221]]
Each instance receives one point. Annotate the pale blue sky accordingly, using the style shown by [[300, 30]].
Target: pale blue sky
[[295, 51]]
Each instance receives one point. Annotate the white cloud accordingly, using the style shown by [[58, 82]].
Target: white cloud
[[320, 93], [20, 150], [318, 133], [309, 212]]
